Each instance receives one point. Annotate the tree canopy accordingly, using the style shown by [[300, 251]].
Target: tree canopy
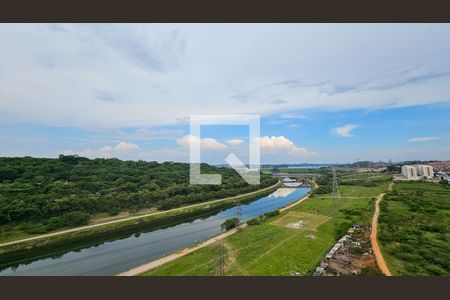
[[66, 191]]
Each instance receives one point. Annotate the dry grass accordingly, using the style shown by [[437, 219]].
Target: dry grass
[[301, 220]]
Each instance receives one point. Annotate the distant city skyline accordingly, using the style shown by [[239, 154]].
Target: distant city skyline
[[326, 93]]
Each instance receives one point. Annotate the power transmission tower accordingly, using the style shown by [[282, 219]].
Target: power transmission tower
[[239, 215], [221, 259], [336, 193], [357, 166]]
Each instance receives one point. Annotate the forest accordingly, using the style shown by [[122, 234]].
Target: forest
[[69, 190]]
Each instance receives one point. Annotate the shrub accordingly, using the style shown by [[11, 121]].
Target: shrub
[[230, 223], [254, 221], [371, 271], [271, 213]]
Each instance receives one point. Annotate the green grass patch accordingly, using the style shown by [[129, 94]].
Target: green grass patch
[[201, 262], [415, 229], [272, 249]]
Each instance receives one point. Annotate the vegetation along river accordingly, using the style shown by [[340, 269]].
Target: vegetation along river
[[119, 254]]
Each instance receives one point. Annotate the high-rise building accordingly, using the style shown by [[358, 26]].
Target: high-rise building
[[424, 171], [415, 172], [409, 172]]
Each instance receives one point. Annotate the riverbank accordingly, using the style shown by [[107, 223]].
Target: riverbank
[[291, 243], [183, 252], [72, 239]]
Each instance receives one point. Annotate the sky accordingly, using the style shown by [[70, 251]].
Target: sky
[[325, 93]]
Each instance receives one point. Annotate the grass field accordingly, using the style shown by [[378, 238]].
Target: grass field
[[415, 229], [273, 249], [301, 220]]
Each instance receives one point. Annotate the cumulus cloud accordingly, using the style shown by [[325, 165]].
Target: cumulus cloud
[[125, 147], [423, 139], [122, 148], [346, 130], [234, 142], [280, 144], [206, 143]]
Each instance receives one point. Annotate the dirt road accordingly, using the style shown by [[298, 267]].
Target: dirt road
[[129, 218], [373, 237]]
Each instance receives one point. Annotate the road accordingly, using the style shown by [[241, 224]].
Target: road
[[374, 239], [130, 218]]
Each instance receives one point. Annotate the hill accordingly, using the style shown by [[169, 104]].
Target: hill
[[38, 195]]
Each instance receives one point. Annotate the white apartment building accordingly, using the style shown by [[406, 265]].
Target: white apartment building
[[409, 172], [424, 171], [415, 172]]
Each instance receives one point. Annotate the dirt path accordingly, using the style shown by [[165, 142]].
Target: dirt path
[[253, 261], [129, 218], [373, 237], [232, 259], [391, 187]]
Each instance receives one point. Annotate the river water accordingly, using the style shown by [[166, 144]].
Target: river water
[[116, 256]]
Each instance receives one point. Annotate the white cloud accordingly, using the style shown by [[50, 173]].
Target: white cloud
[[186, 140], [423, 139], [234, 142], [125, 147], [209, 143], [139, 75], [281, 145], [346, 130], [122, 148], [293, 126], [292, 116], [206, 143]]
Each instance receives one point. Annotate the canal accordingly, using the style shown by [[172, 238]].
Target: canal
[[116, 256]]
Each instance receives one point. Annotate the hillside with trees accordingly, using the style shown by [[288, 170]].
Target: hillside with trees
[[45, 194]]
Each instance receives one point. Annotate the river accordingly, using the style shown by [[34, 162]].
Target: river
[[116, 256]]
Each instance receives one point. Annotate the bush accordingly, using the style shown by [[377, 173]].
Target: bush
[[342, 229], [371, 271], [271, 213], [75, 218], [230, 223], [113, 211], [357, 250], [71, 219], [254, 221]]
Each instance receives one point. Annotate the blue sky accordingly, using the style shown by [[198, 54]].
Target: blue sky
[[325, 92]]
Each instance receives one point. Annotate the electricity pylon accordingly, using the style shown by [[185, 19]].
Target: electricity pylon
[[221, 259], [239, 215], [336, 193]]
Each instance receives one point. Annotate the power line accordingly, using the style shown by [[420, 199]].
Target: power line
[[221, 259]]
